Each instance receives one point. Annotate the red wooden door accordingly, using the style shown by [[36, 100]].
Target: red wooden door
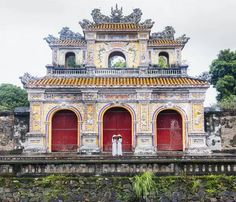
[[169, 131], [117, 121], [64, 131]]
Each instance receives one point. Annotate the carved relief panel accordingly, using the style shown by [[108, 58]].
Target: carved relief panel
[[90, 52], [144, 95], [117, 97], [35, 117], [198, 96], [102, 51], [154, 56], [35, 97], [172, 56], [144, 117], [89, 117], [178, 56], [62, 97], [197, 117], [133, 53], [54, 56], [79, 56], [100, 54], [170, 96], [89, 96], [61, 58], [143, 52]]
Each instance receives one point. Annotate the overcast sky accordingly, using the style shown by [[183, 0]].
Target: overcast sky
[[211, 25]]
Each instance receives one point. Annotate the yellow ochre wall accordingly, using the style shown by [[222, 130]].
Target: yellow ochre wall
[[102, 50], [144, 117]]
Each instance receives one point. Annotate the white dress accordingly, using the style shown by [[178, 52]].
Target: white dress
[[119, 147], [114, 146]]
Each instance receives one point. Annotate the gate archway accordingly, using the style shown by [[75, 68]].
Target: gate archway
[[64, 131], [116, 59], [169, 131], [117, 120]]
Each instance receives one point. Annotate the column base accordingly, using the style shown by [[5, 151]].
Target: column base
[[34, 143], [199, 151], [197, 144], [89, 144], [144, 144], [147, 150], [89, 150]]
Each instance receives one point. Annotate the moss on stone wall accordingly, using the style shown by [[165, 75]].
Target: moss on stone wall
[[68, 188]]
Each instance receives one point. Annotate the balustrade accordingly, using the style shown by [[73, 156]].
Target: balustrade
[[53, 71], [20, 165]]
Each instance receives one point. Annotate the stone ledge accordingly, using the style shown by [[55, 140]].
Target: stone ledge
[[116, 167]]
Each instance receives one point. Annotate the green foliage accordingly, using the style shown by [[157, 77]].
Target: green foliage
[[163, 185], [143, 184], [223, 71], [3, 108], [55, 185], [12, 96], [119, 63], [196, 184], [143, 187], [213, 185], [228, 103], [162, 62]]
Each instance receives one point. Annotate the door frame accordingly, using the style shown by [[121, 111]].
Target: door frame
[[133, 126], [116, 50], [184, 124], [49, 118]]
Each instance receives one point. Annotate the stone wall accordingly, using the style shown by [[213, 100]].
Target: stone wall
[[221, 129], [6, 131], [114, 189], [13, 128]]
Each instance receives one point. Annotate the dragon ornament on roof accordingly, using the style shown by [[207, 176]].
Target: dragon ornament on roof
[[64, 34], [169, 33], [115, 17]]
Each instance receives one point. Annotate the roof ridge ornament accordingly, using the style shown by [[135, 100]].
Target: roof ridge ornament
[[116, 17], [116, 14], [26, 78], [183, 39], [169, 33], [64, 34]]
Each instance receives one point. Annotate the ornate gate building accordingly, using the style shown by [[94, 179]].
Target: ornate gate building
[[116, 78]]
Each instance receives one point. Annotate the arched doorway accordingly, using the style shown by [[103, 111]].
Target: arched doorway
[[169, 131], [116, 59], [163, 60], [64, 131], [70, 60], [117, 120]]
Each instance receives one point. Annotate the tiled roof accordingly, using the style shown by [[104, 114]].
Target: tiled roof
[[117, 81], [118, 27], [164, 42], [68, 42]]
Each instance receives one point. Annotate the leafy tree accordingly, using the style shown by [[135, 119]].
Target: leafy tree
[[223, 75], [162, 62], [12, 96], [228, 103], [119, 63]]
